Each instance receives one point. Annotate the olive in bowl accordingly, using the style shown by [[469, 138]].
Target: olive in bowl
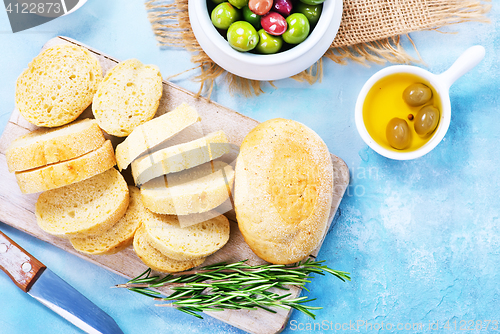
[[272, 58], [292, 20]]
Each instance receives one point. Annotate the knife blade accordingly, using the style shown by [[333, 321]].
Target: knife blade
[[34, 278]]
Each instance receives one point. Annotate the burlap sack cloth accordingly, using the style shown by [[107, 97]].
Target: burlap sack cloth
[[370, 31]]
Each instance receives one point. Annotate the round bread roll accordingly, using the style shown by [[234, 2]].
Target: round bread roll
[[58, 85], [283, 190]]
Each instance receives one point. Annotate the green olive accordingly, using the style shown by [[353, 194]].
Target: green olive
[[224, 15], [251, 17], [426, 120], [312, 12], [298, 28], [312, 2], [398, 133], [268, 44], [238, 3], [417, 94], [242, 36]]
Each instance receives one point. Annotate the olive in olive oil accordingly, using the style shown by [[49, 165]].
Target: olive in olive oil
[[401, 112]]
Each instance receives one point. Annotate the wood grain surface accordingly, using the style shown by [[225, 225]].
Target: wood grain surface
[[20, 265], [17, 209]]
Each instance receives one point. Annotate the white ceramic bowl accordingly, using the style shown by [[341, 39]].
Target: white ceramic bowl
[[265, 67], [441, 83]]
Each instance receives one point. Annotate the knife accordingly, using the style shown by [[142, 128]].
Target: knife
[[34, 278]]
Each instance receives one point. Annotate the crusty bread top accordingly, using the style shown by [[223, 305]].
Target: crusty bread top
[[179, 157], [120, 235], [154, 132], [196, 190], [67, 172], [283, 190], [49, 145], [89, 207], [154, 259], [128, 96], [193, 242], [58, 85]]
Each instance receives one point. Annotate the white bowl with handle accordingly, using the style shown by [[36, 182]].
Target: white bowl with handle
[[441, 84]]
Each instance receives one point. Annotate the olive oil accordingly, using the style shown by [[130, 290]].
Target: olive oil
[[385, 101]]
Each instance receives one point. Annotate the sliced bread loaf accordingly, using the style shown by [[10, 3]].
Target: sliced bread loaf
[[154, 259], [193, 242], [120, 235], [89, 207], [46, 146], [179, 157], [154, 132], [67, 172], [127, 97], [193, 190], [58, 85]]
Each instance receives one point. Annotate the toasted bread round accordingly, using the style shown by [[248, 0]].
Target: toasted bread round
[[67, 172], [283, 190], [89, 207], [154, 259], [192, 242], [127, 97], [120, 235], [195, 190], [58, 85], [46, 146]]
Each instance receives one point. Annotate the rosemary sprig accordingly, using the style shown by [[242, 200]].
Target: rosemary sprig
[[234, 286]]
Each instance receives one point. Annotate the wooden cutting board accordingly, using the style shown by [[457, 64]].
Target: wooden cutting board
[[17, 209]]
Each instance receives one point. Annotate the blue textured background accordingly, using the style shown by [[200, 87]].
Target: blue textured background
[[420, 238]]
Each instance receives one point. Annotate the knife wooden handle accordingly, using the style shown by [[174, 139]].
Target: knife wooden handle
[[21, 266]]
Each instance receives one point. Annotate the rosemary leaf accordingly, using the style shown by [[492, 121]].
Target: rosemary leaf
[[223, 286]]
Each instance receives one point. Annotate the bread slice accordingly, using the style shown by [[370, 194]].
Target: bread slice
[[58, 85], [154, 259], [196, 218], [193, 242], [67, 172], [127, 97], [46, 146], [194, 190], [89, 207], [120, 235], [179, 157], [154, 132]]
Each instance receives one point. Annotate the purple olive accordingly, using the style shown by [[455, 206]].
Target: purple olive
[[284, 7], [273, 23]]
